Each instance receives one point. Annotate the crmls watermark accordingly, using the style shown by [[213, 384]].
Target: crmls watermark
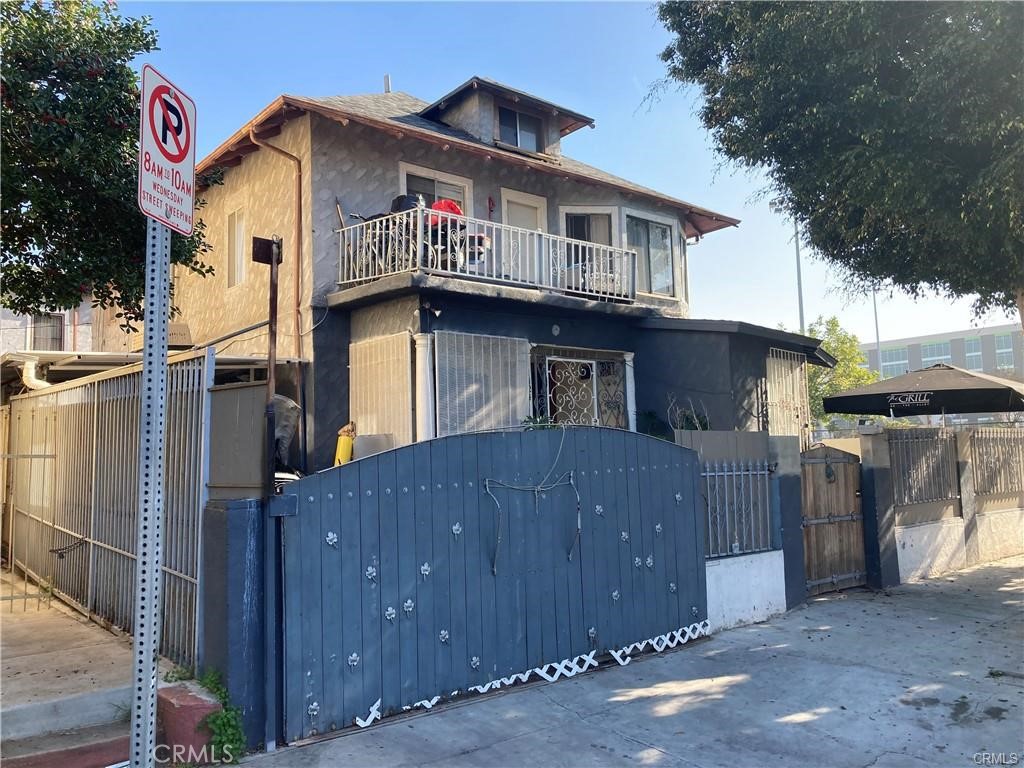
[[996, 758], [186, 754]]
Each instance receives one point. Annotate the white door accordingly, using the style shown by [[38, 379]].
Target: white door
[[520, 250]]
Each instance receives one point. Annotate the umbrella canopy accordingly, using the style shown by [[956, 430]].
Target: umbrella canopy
[[938, 389]]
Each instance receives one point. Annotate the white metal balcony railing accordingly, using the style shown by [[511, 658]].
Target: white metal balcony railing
[[448, 244]]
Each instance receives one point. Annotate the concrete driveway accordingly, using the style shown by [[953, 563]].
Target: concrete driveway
[[928, 674]]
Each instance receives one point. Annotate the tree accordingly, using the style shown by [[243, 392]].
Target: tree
[[847, 373], [892, 132], [70, 226]]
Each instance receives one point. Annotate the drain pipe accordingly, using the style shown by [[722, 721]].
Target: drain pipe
[[296, 279]]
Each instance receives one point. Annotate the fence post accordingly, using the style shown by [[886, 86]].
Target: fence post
[[968, 507], [880, 555], [784, 454]]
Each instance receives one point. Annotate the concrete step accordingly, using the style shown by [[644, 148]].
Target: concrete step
[[83, 710], [98, 746]]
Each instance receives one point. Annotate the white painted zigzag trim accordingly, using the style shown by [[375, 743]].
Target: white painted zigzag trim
[[661, 642], [566, 667]]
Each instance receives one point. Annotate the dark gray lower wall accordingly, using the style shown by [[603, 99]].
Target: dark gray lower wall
[[880, 554], [232, 606], [327, 389], [784, 453], [717, 372]]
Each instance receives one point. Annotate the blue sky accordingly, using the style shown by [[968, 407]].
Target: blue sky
[[597, 58]]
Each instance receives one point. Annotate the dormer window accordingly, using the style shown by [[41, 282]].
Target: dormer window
[[518, 129]]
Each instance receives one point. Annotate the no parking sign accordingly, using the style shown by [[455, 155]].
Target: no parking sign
[[167, 152]]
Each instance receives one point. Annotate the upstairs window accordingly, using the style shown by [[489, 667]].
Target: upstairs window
[[653, 245], [1004, 352], [520, 130], [935, 353], [236, 248], [972, 354], [432, 190], [48, 333], [895, 362], [589, 227]]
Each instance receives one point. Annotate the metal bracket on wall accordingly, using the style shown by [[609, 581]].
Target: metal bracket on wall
[[830, 519], [285, 505]]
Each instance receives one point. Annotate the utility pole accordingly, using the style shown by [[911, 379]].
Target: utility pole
[[799, 280]]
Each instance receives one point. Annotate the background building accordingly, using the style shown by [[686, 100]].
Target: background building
[[998, 350]]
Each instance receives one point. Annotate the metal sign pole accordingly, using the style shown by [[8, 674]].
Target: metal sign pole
[[148, 549]]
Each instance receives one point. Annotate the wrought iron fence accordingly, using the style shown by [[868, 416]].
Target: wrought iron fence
[[462, 246], [997, 456], [738, 507], [72, 521], [924, 465]]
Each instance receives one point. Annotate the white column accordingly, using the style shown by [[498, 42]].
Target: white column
[[630, 393], [424, 387]]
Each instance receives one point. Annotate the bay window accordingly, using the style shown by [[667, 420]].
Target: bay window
[[652, 242]]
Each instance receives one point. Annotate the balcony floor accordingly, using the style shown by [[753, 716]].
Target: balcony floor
[[390, 286]]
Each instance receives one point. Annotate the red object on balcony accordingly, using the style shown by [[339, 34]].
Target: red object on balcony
[[444, 206]]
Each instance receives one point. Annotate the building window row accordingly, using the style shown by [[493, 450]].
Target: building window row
[[895, 362]]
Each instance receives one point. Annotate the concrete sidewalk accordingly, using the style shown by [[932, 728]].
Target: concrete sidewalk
[[930, 674]]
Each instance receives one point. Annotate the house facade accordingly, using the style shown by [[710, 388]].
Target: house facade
[[553, 292]]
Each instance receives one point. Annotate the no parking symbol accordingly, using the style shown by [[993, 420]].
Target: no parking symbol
[[166, 153]]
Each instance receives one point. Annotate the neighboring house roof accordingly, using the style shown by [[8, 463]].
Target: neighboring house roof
[[570, 119], [400, 114]]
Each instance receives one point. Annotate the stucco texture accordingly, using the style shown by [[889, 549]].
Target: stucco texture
[[359, 167], [262, 187]]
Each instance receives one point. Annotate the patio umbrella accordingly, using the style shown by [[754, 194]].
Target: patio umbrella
[[938, 389]]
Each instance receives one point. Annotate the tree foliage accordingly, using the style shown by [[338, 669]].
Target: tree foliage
[[847, 373], [70, 225], [893, 132]]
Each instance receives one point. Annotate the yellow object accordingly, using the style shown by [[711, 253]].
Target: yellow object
[[343, 453]]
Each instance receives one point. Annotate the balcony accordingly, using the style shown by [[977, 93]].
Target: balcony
[[449, 245]]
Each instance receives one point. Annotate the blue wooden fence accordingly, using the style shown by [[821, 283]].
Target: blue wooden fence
[[453, 563]]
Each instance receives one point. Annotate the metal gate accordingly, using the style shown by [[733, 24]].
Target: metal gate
[[472, 562], [72, 501], [832, 520]]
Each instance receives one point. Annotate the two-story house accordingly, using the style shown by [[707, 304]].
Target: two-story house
[[551, 290]]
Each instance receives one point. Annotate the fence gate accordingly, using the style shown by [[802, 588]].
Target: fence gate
[[832, 520], [472, 562]]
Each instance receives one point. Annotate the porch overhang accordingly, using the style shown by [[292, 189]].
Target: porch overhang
[[793, 342], [404, 283]]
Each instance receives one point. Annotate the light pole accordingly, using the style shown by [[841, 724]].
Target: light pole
[[777, 208]]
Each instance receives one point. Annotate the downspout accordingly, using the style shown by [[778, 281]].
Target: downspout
[[296, 279]]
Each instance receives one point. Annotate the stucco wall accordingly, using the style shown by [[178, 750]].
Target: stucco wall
[[1000, 534], [930, 549], [359, 166], [263, 188], [16, 330], [745, 589]]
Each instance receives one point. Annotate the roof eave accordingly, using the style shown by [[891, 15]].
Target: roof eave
[[234, 148]]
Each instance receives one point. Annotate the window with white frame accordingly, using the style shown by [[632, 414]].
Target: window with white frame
[[1004, 352], [934, 353], [483, 382], [236, 248], [652, 242], [894, 362], [972, 354], [434, 185], [589, 227], [519, 129], [48, 332]]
